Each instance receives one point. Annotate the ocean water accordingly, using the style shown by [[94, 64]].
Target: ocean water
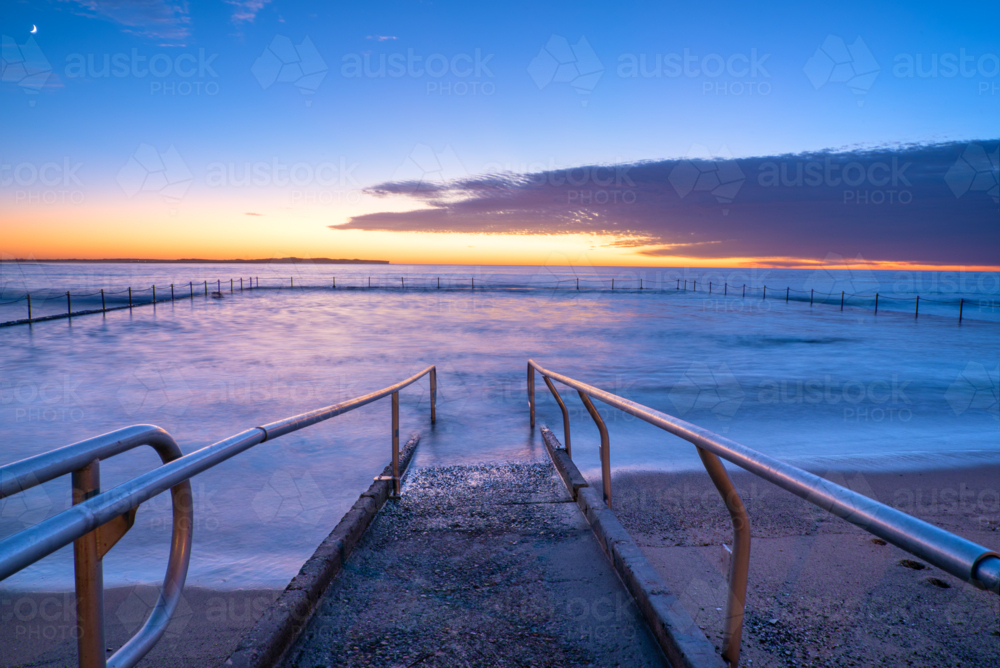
[[815, 385]]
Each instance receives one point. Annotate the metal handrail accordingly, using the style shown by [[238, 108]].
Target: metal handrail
[[82, 460], [93, 511], [953, 554]]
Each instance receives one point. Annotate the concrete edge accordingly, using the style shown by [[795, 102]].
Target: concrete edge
[[279, 626], [675, 630]]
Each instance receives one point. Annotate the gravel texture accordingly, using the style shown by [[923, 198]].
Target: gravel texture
[[477, 565], [823, 592]]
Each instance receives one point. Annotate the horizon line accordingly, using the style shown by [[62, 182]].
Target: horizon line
[[734, 263]]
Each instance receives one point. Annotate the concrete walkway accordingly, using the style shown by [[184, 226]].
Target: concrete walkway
[[490, 564]]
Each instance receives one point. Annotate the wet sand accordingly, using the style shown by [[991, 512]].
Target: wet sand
[[39, 629], [821, 591]]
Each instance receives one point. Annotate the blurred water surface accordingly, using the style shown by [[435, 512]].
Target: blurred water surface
[[821, 387]]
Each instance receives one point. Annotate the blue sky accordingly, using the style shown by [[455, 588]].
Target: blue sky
[[774, 94]]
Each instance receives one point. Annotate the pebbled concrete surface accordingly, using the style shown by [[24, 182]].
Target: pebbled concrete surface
[[480, 565], [821, 592]]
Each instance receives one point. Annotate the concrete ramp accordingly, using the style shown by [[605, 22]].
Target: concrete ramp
[[480, 565]]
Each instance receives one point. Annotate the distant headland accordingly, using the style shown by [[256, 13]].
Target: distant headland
[[276, 260]]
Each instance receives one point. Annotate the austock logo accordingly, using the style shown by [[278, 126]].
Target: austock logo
[[195, 73], [285, 62], [701, 389], [155, 388], [28, 507], [831, 173], [469, 71], [44, 183], [560, 62], [24, 65], [426, 169], [140, 601], [837, 62], [719, 175], [975, 170], [148, 170], [290, 495], [838, 274], [975, 388], [744, 70]]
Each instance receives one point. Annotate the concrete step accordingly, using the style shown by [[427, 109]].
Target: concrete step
[[491, 564]]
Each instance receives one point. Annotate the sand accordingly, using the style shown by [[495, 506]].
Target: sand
[[38, 629], [821, 591]]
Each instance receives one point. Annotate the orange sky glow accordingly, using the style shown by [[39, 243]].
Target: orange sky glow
[[208, 231]]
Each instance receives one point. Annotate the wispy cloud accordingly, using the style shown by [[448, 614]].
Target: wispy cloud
[[251, 213], [245, 11], [905, 203], [380, 38], [155, 19]]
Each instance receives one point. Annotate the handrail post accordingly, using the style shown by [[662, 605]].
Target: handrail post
[[130, 297], [104, 308], [69, 307], [154, 295], [434, 393], [552, 388], [531, 393], [605, 447], [29, 307], [395, 443], [89, 577], [739, 565]]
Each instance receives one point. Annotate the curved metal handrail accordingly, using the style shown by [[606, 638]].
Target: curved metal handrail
[[82, 460], [953, 554], [85, 517]]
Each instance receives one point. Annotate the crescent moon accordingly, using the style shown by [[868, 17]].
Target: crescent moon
[[34, 28]]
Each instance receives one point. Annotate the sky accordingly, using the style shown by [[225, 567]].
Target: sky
[[693, 134]]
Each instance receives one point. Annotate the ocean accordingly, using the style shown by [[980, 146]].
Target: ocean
[[822, 387]]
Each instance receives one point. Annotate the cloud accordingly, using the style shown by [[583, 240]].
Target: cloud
[[380, 38], [245, 11], [251, 213], [888, 203], [159, 19]]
